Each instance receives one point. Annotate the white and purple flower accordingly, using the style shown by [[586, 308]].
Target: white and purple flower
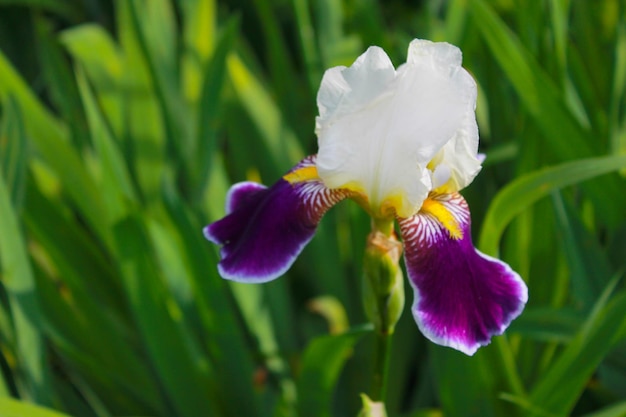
[[402, 143]]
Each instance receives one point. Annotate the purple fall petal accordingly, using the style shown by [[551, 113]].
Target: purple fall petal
[[462, 296], [265, 229]]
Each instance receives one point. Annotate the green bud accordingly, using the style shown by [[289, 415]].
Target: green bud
[[383, 289], [371, 408]]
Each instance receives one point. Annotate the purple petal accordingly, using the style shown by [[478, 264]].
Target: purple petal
[[266, 228], [462, 296]]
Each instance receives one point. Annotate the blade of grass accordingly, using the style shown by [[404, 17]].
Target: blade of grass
[[547, 324], [123, 93], [208, 110], [96, 51], [285, 85], [7, 340], [252, 300], [618, 95], [589, 268], [83, 304], [19, 283], [183, 375], [226, 342], [283, 146], [59, 80], [335, 47], [559, 10], [164, 84], [14, 408], [13, 151], [117, 189], [451, 371], [91, 344], [455, 22], [615, 410], [525, 190], [76, 256], [537, 91], [199, 33], [560, 387], [51, 140], [546, 104], [322, 362], [144, 144], [308, 46]]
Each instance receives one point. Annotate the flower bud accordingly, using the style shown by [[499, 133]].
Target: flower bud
[[383, 288]]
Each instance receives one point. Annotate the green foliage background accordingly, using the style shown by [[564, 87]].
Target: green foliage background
[[123, 123]]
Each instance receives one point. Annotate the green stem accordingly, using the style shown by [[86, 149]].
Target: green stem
[[381, 366], [383, 296]]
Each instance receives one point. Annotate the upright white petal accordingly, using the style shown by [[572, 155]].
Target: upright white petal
[[378, 128], [348, 90], [459, 158]]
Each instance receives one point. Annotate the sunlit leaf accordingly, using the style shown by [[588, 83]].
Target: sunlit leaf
[[14, 408], [526, 190]]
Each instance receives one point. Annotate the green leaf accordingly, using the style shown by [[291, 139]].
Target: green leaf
[[163, 78], [616, 410], [59, 80], [285, 85], [79, 277], [13, 150], [94, 48], [19, 284], [183, 374], [322, 362], [214, 75], [547, 324], [199, 32], [452, 370], [50, 138], [281, 143], [589, 267], [308, 45], [562, 132], [539, 94], [14, 408], [525, 190], [561, 385], [117, 189], [618, 95], [335, 47], [257, 315], [145, 144], [227, 344]]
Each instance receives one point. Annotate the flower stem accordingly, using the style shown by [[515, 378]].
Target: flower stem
[[383, 297], [381, 366]]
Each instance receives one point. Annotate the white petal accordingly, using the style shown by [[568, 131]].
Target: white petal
[[378, 129], [459, 158], [346, 90]]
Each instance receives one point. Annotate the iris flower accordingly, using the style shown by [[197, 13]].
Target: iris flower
[[402, 143]]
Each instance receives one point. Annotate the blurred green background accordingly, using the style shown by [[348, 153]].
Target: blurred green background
[[123, 123]]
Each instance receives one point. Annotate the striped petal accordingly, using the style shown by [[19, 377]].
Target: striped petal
[[265, 229], [462, 296]]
